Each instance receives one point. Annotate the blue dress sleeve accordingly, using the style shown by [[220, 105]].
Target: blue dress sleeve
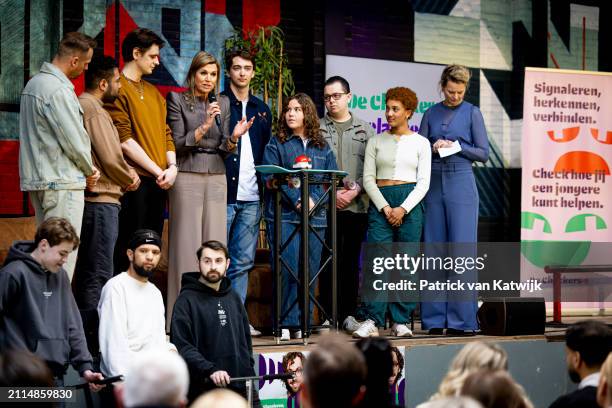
[[479, 150], [424, 128]]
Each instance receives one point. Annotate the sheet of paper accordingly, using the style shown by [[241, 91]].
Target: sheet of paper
[[447, 151]]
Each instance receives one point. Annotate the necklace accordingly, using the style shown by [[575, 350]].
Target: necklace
[[139, 89]]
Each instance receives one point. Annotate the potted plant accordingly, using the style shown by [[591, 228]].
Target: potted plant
[[273, 78]]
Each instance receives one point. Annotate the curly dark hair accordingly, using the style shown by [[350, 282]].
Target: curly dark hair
[[400, 363], [404, 95], [288, 359], [312, 128]]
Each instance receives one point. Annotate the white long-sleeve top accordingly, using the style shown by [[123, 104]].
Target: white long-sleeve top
[[132, 319], [407, 159]]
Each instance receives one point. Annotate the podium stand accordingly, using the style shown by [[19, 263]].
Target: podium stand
[[302, 180]]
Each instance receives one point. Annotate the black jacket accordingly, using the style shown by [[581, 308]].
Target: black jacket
[[210, 329], [259, 135], [583, 398], [38, 312]]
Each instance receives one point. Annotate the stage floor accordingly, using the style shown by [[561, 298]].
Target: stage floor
[[267, 344]]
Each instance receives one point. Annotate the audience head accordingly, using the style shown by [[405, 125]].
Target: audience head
[[74, 53], [240, 66], [334, 375], [452, 402], [103, 76], [293, 362], [472, 357], [588, 343], [398, 366], [220, 398], [454, 82], [299, 117], [144, 252], [604, 390], [379, 361], [142, 46], [157, 377], [495, 389], [55, 239], [213, 259], [337, 95], [20, 368], [204, 75]]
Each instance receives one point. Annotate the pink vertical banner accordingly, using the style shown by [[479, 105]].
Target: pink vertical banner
[[566, 156], [566, 148]]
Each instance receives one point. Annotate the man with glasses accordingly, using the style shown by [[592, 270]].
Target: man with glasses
[[347, 135], [293, 363]]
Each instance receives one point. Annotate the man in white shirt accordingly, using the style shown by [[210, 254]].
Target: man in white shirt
[[131, 309], [244, 186]]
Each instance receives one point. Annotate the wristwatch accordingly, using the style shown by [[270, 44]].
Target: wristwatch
[[351, 185]]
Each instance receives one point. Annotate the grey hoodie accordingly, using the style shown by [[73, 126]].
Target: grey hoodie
[[38, 312]]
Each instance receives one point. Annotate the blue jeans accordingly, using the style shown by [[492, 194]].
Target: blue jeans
[[242, 232], [291, 256]]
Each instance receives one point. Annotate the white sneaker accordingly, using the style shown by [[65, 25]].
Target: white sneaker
[[286, 335], [350, 324], [254, 331], [324, 327], [366, 329], [400, 330]]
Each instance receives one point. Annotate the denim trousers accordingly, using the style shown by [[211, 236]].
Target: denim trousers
[[379, 230], [452, 216], [242, 232], [291, 257]]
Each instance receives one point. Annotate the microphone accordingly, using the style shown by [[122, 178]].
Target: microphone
[[212, 98]]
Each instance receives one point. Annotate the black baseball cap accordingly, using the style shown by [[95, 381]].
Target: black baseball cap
[[144, 236]]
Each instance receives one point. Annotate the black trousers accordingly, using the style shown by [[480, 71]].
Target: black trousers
[[143, 208], [95, 261], [350, 234]]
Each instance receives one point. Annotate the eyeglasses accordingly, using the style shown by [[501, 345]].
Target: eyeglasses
[[335, 96], [297, 372]]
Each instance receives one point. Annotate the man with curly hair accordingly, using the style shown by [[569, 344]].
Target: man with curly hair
[[293, 363]]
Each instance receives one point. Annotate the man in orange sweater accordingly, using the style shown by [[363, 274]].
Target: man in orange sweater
[[139, 113]]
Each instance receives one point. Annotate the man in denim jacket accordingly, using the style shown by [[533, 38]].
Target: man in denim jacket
[[55, 153], [244, 190], [347, 135]]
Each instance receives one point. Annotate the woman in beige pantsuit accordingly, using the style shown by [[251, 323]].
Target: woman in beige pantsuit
[[198, 208]]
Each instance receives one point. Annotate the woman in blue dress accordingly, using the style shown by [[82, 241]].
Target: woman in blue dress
[[452, 200], [299, 134]]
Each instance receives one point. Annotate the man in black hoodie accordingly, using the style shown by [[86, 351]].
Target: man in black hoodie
[[37, 310], [210, 327]]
